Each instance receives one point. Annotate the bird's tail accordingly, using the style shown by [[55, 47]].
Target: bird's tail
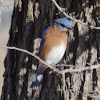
[[36, 81]]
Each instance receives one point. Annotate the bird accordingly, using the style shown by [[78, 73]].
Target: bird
[[52, 47]]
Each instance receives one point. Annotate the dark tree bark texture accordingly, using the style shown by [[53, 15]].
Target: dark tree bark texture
[[30, 18]]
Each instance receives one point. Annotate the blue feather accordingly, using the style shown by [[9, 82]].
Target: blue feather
[[44, 33]]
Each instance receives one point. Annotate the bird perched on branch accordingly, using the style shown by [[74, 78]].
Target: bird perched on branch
[[52, 47]]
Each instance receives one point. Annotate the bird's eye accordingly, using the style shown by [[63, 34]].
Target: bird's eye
[[62, 25]]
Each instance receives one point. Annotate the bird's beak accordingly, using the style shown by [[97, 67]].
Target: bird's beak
[[69, 28]]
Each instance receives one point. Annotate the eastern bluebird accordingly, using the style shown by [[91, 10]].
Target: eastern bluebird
[[52, 47]]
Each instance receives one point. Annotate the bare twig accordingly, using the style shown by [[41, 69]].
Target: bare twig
[[32, 54], [46, 65], [75, 20], [81, 69]]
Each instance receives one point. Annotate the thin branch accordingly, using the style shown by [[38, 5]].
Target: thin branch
[[75, 20], [60, 72], [81, 69], [32, 54]]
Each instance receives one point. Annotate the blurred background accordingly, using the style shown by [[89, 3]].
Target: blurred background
[[6, 9]]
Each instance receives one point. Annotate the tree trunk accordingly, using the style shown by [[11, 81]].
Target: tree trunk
[[30, 18]]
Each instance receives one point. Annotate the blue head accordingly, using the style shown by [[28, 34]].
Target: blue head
[[63, 24]]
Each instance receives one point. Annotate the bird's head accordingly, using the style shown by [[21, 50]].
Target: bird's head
[[63, 24]]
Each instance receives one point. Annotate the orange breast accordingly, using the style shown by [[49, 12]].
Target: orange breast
[[52, 38]]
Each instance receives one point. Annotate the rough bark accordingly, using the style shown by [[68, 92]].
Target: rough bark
[[30, 18]]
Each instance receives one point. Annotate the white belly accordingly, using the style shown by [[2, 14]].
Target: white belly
[[56, 54]]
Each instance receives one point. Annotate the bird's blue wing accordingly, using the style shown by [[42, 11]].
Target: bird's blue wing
[[44, 33]]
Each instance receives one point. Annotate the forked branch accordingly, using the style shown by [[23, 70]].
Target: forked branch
[[91, 67]]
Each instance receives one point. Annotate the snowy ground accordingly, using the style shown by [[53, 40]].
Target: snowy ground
[[6, 8]]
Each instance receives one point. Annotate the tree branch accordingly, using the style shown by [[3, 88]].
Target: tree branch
[[54, 69], [31, 54], [81, 69], [75, 20]]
